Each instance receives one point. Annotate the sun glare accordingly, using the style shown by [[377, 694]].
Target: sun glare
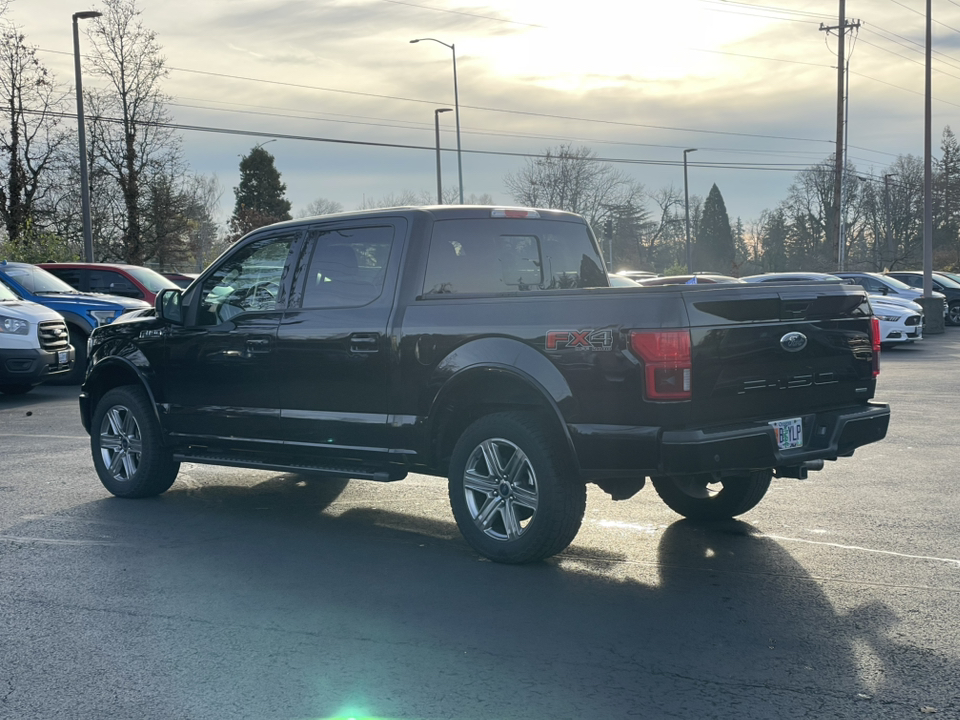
[[608, 43]]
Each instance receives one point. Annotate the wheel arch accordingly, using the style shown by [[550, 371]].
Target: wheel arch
[[519, 378], [110, 373], [78, 321]]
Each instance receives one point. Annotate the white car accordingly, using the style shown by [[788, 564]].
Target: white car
[[34, 344], [899, 322], [901, 319]]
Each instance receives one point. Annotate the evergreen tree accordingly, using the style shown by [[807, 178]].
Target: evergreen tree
[[714, 250], [773, 241], [260, 195], [946, 201]]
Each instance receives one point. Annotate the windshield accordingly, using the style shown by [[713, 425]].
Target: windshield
[[893, 282], [150, 279], [947, 281], [6, 294], [37, 280]]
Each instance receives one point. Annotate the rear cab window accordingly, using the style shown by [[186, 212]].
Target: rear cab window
[[506, 255]]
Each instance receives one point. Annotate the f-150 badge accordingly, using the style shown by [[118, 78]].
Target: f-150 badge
[[601, 340]]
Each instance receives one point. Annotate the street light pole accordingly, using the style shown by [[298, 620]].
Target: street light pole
[[436, 123], [81, 132], [456, 105], [686, 208]]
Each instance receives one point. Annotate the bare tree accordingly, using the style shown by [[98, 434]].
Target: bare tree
[[205, 238], [130, 142], [571, 178], [321, 206], [32, 136]]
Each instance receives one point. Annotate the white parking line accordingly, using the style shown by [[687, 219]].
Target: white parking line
[[950, 561]]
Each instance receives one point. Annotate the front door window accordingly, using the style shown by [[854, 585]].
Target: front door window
[[248, 281]]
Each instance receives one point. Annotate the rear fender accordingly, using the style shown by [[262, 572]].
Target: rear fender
[[512, 375]]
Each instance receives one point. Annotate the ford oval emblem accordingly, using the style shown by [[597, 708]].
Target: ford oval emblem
[[793, 342]]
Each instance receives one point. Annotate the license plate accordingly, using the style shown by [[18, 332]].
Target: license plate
[[62, 357], [789, 433]]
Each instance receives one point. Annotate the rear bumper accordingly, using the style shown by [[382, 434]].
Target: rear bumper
[[827, 436], [627, 451]]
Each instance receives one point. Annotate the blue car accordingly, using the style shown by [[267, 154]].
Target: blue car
[[82, 311]]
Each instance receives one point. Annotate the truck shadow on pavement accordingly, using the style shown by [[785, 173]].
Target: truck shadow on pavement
[[260, 602]]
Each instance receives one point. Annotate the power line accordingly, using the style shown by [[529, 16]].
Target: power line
[[415, 125], [787, 167], [527, 113], [923, 14]]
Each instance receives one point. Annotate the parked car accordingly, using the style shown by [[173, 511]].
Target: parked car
[[793, 277], [132, 281], [635, 274], [34, 344], [696, 279], [180, 279], [878, 284], [899, 323], [770, 277], [942, 283], [472, 343], [81, 311], [617, 280]]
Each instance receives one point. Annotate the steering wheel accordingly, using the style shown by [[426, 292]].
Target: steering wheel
[[262, 296]]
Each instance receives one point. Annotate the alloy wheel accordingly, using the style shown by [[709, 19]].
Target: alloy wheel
[[501, 489], [121, 444]]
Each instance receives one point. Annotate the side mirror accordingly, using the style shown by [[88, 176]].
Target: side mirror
[[169, 305], [884, 290]]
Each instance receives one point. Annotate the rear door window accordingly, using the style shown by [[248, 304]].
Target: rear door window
[[496, 255], [347, 266]]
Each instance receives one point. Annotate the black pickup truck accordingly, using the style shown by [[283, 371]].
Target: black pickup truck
[[483, 345]]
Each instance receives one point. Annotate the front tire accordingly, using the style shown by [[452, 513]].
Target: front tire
[[127, 445], [15, 389], [693, 497], [513, 490]]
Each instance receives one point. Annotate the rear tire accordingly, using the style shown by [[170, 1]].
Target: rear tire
[[693, 497], [513, 490], [127, 445]]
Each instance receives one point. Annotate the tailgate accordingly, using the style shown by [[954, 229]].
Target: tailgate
[[766, 352]]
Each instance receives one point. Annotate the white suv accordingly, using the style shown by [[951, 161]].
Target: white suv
[[34, 344]]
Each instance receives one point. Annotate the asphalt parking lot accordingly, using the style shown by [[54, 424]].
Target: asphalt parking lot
[[244, 594]]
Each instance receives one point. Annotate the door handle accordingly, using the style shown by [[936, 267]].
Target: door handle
[[258, 345], [365, 342]]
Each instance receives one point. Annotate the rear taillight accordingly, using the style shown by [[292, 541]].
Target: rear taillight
[[875, 341], [666, 361]]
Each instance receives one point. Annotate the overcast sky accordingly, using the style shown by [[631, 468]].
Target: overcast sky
[[752, 86]]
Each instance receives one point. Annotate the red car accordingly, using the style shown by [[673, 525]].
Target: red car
[[131, 281]]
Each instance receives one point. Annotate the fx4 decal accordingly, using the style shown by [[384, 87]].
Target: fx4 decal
[[601, 340]]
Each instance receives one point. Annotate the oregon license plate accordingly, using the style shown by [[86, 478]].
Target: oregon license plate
[[789, 433], [62, 357]]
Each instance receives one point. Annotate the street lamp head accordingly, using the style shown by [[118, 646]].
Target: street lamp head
[[86, 15], [440, 110], [690, 150]]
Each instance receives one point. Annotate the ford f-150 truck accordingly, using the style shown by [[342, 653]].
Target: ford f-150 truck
[[483, 345]]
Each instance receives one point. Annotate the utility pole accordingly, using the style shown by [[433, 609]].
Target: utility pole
[[842, 26], [888, 260]]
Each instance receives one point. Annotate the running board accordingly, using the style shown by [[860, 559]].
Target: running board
[[359, 472]]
